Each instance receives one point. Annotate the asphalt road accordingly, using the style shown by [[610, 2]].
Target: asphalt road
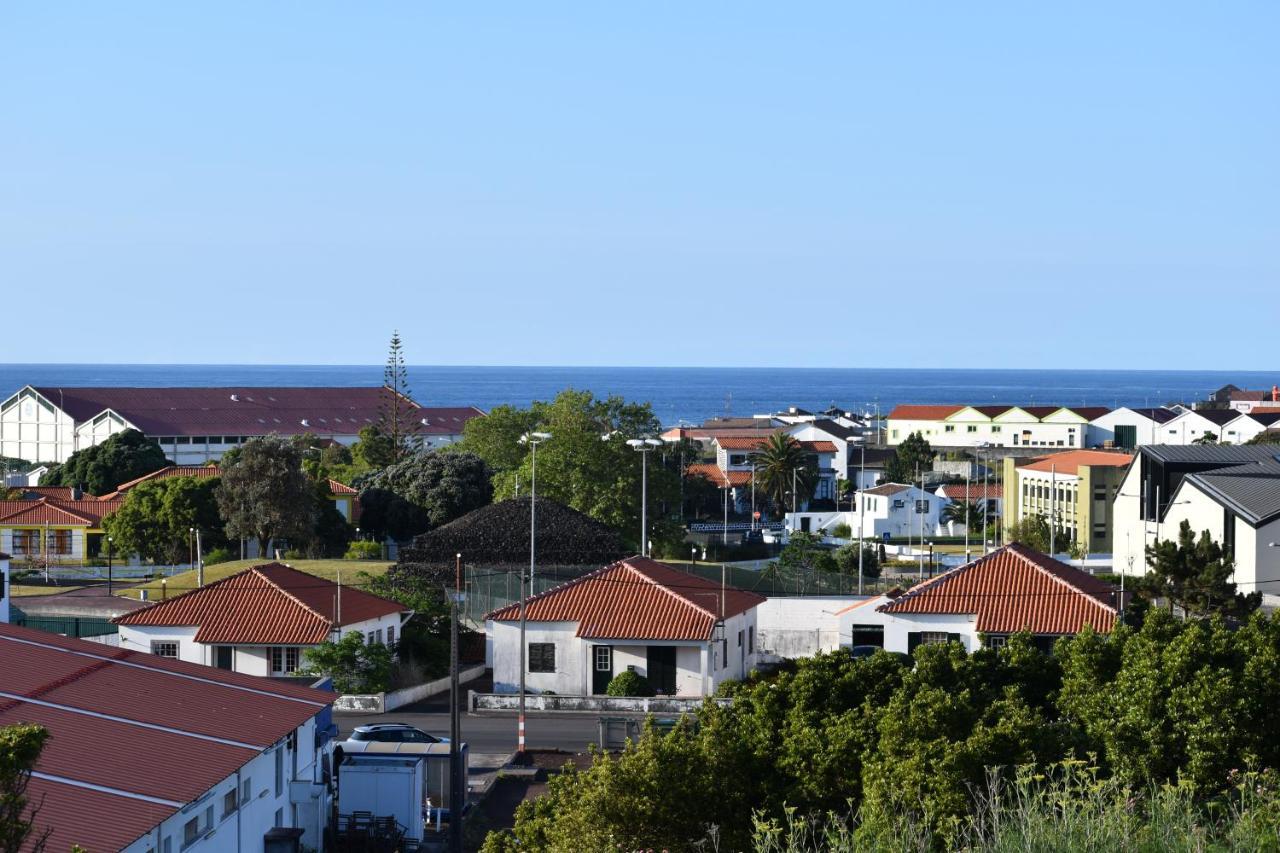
[[490, 732]]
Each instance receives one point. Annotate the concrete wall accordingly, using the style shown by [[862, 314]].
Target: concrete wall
[[590, 704], [796, 627]]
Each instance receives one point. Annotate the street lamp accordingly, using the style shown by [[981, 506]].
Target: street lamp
[[109, 578], [533, 439], [644, 446]]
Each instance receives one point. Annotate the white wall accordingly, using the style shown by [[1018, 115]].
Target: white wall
[[896, 628], [800, 626], [1103, 429], [1129, 533], [4, 589], [571, 662], [32, 429]]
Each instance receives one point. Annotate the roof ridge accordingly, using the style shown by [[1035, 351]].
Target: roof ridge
[[257, 570], [1019, 551], [668, 590]]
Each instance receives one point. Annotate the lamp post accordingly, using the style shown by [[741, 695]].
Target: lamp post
[[191, 547], [109, 577], [644, 446], [862, 474], [457, 783], [533, 439]]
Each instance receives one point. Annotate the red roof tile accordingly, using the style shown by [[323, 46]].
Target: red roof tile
[[975, 491], [1069, 462], [336, 488], [86, 512], [922, 413], [635, 599], [137, 725], [271, 604], [250, 410], [1013, 589], [712, 472], [756, 442], [165, 473]]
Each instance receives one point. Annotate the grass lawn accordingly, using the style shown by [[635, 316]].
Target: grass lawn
[[18, 589], [322, 568]]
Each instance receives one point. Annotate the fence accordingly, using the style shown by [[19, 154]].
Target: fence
[[70, 626]]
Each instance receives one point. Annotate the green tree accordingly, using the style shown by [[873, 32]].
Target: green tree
[[1267, 436], [586, 464], [397, 420], [354, 666], [157, 517], [785, 471], [264, 494], [100, 468], [912, 457], [1195, 575], [969, 514], [444, 486], [20, 747], [1034, 532], [374, 449], [805, 551], [1206, 438], [846, 558]]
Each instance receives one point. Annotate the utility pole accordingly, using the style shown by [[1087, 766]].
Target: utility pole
[[1053, 507], [110, 579], [533, 439], [862, 503], [457, 780], [644, 446], [199, 561]]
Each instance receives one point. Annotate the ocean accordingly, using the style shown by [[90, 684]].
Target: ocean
[[684, 393]]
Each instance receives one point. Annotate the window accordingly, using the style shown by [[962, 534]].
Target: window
[[995, 427], [928, 638], [230, 802], [971, 428], [378, 636], [190, 832], [724, 654], [997, 642], [1100, 493], [26, 542], [751, 639], [368, 641], [739, 639], [284, 660], [182, 439], [895, 433], [59, 541], [542, 657], [391, 635], [167, 846], [164, 649], [246, 790], [950, 428]]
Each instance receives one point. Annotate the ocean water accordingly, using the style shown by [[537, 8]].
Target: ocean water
[[685, 393]]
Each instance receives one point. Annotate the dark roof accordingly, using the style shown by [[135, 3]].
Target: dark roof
[[1265, 418], [1015, 588], [134, 737], [248, 410], [876, 457], [833, 428], [1251, 491], [1159, 414], [636, 599], [499, 534], [1218, 416], [1224, 454]]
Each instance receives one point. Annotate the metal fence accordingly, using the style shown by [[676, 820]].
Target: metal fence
[[69, 626]]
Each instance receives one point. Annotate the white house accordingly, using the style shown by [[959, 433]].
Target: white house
[[1196, 424], [147, 755], [259, 621], [994, 426], [684, 634], [1233, 492], [896, 510], [1249, 425], [197, 425], [982, 602], [1129, 428]]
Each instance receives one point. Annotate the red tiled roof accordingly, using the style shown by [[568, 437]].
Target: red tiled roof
[[1069, 461], [66, 493], [167, 472], [756, 442], [712, 472], [250, 410], [1013, 589], [271, 604], [336, 488], [975, 491], [922, 413], [635, 599], [85, 512], [178, 730]]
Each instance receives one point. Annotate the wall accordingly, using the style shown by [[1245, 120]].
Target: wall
[[4, 590], [571, 657], [794, 627], [896, 628], [1129, 533], [591, 704], [33, 429]]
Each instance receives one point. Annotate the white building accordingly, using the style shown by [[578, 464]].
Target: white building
[[895, 510], [148, 755], [1249, 426], [982, 602], [1233, 492], [994, 426], [1129, 428], [684, 634], [1196, 425], [197, 425], [987, 496], [260, 621]]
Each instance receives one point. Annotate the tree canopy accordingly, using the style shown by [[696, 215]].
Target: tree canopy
[[20, 748], [264, 493], [100, 468], [436, 486], [1195, 575], [157, 517], [785, 471], [911, 458]]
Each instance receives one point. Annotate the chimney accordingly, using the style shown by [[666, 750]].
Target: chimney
[[1275, 393]]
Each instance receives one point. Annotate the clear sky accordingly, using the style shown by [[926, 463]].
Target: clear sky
[[790, 184]]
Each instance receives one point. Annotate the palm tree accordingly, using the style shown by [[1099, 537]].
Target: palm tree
[[968, 514], [781, 465]]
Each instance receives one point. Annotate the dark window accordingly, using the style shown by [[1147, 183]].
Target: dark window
[[230, 802], [1228, 532], [163, 649], [182, 439], [751, 639], [542, 657], [866, 635]]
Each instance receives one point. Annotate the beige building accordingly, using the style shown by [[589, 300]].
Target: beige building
[[1073, 490]]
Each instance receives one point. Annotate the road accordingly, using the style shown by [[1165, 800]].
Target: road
[[491, 732]]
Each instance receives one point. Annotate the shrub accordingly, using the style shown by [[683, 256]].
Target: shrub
[[218, 555], [363, 551], [629, 683], [841, 531]]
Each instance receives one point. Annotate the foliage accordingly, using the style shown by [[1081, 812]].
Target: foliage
[[438, 487], [330, 531], [629, 683], [20, 747], [586, 464], [363, 550], [1195, 575], [157, 517], [354, 666], [1267, 436], [841, 531], [100, 468], [846, 558], [805, 551], [913, 456], [264, 494], [1034, 532], [785, 471], [968, 514], [373, 450], [396, 412], [218, 555]]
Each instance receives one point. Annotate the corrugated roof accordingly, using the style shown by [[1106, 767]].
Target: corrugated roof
[[1207, 454], [1069, 461], [178, 730], [1251, 491], [636, 599], [1014, 589], [250, 410], [271, 604]]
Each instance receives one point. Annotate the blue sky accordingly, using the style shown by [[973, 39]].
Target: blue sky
[[843, 184]]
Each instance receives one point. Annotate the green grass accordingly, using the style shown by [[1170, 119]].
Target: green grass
[[19, 589], [327, 569]]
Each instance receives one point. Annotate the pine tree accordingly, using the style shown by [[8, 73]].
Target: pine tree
[[397, 421]]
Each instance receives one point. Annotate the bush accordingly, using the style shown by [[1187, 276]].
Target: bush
[[841, 531], [218, 555], [363, 550], [629, 683]]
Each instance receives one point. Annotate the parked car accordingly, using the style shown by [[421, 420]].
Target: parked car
[[362, 736]]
